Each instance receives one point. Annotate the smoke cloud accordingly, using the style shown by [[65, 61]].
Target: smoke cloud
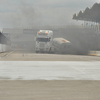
[[30, 13]]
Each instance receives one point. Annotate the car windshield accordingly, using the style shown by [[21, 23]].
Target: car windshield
[[43, 39]]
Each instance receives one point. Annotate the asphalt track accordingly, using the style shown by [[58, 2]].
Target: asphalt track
[[22, 55], [50, 70], [31, 66], [30, 76]]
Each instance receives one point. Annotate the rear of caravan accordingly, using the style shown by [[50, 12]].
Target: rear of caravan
[[61, 45]]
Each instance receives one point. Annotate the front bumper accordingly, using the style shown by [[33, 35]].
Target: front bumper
[[42, 50]]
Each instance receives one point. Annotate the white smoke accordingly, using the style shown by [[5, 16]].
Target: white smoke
[[30, 13]]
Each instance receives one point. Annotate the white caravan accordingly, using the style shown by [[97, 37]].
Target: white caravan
[[44, 41], [61, 45]]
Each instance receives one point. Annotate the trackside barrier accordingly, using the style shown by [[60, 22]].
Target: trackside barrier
[[4, 48], [94, 53], [0, 47]]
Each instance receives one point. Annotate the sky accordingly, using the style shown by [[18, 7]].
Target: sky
[[30, 13]]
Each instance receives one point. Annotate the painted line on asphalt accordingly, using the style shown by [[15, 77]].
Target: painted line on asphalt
[[7, 54], [49, 70]]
